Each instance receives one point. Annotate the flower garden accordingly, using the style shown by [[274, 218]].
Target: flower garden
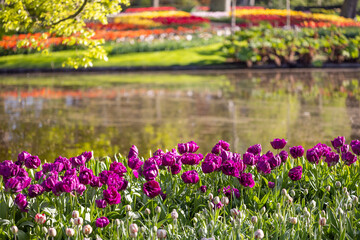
[[286, 192]]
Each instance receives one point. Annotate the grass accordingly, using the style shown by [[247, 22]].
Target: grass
[[205, 55]]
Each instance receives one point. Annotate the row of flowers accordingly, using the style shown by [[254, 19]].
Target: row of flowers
[[82, 177]]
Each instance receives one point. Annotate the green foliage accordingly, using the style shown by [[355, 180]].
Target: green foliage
[[62, 18], [264, 45]]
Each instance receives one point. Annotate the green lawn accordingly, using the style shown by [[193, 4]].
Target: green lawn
[[205, 55]]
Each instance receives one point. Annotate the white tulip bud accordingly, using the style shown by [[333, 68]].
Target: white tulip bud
[[117, 222], [234, 212], [293, 220], [70, 232], [225, 200], [355, 199], [52, 232], [147, 211], [133, 234], [283, 191], [337, 184], [87, 230], [328, 188], [216, 200], [306, 191], [263, 210], [14, 229], [143, 229], [345, 189], [174, 215], [259, 234], [127, 208], [75, 214], [292, 193], [312, 204], [211, 197], [158, 209], [40, 218], [44, 230], [78, 221], [322, 221], [254, 219], [211, 205], [161, 233], [133, 228]]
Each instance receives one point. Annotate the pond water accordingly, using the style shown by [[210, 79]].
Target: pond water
[[66, 114]]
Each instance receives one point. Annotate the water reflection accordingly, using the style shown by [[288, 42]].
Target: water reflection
[[66, 114]]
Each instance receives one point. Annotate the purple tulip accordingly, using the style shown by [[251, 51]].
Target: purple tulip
[[151, 188], [191, 158], [283, 156], [278, 143], [274, 161], [70, 183], [313, 155], [101, 203], [214, 158], [13, 185], [221, 146], [21, 158], [32, 162], [47, 167], [255, 149], [58, 167], [134, 152], [249, 159], [295, 173], [78, 161], [102, 222], [117, 182], [338, 142], [246, 180], [39, 175], [230, 168], [135, 163], [348, 158], [190, 177], [35, 190], [208, 166], [50, 181], [163, 196], [112, 196], [297, 151], [169, 159], [104, 175], [21, 202], [189, 147], [263, 166], [70, 173], [87, 155], [22, 173], [85, 176], [332, 159], [323, 149], [355, 146], [57, 189], [158, 153], [203, 189], [176, 167], [66, 162], [150, 170], [271, 185], [8, 169], [95, 182], [118, 168], [80, 189], [230, 191], [343, 149]]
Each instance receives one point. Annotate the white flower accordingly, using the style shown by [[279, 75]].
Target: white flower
[[293, 220], [75, 214], [52, 232], [161, 233], [133, 228], [322, 221], [70, 232], [14, 229], [216, 200], [174, 215], [254, 219], [40, 218], [259, 234], [87, 230], [78, 221], [127, 208]]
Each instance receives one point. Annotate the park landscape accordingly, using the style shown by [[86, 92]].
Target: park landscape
[[246, 132]]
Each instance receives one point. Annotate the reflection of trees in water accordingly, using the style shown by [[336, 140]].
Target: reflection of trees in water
[[249, 108]]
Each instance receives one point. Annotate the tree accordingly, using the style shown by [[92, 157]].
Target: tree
[[220, 5], [349, 8], [62, 18]]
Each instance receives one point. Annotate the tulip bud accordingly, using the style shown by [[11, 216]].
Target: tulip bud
[[234, 212], [155, 228], [143, 229], [225, 200], [259, 234], [278, 206], [87, 230], [174, 214], [322, 221], [211, 197], [127, 208], [312, 204], [40, 218], [341, 212], [263, 210], [254, 219], [158, 209], [306, 191], [355, 199], [292, 193], [195, 220], [328, 188], [75, 214], [344, 189], [147, 211], [211, 205], [71, 221], [117, 222], [290, 199], [323, 213], [44, 230], [133, 228], [69, 232], [161, 233], [78, 221], [14, 229], [307, 214], [133, 234], [52, 232], [283, 191], [293, 220], [337, 184], [216, 200]]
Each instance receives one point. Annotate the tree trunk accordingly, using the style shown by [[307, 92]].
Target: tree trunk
[[348, 9], [156, 3], [220, 5]]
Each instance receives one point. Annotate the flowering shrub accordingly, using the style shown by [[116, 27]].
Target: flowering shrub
[[127, 197]]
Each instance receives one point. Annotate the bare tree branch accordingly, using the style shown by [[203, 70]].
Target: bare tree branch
[[72, 15]]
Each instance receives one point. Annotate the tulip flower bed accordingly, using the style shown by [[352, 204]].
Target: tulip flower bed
[[267, 45], [182, 194]]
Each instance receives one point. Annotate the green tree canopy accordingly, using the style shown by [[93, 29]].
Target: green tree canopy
[[62, 18]]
